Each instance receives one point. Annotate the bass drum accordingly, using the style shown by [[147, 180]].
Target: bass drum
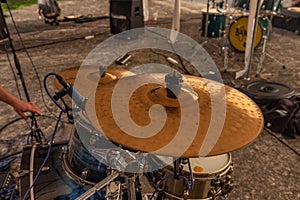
[[238, 32], [211, 175]]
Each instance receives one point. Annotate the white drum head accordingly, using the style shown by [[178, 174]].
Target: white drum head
[[206, 165], [210, 164]]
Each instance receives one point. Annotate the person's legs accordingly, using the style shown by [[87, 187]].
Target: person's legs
[[52, 19]]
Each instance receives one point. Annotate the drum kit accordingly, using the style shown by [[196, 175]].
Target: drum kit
[[107, 160], [224, 21]]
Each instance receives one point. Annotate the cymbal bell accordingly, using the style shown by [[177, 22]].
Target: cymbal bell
[[91, 74], [179, 129]]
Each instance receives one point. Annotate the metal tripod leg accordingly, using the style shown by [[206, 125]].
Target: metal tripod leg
[[130, 181], [225, 49], [264, 53], [262, 57], [98, 186]]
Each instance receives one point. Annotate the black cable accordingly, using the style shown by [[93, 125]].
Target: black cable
[[180, 60], [10, 65], [60, 41], [30, 59], [283, 142], [52, 137], [15, 120], [10, 155]]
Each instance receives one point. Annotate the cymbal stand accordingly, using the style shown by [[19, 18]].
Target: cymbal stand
[[225, 47], [99, 186], [266, 36], [130, 179], [206, 18], [263, 54], [35, 132]]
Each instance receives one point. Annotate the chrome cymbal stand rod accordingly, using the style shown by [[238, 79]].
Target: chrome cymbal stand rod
[[226, 5], [99, 186], [262, 56], [255, 22], [130, 182], [264, 53], [225, 48], [206, 18]]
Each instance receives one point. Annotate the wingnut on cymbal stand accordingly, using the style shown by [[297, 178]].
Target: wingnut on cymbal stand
[[35, 133]]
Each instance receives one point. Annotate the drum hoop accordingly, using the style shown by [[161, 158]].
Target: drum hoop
[[220, 171], [71, 174], [179, 198], [213, 13], [223, 169]]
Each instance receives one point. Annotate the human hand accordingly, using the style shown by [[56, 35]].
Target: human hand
[[21, 107]]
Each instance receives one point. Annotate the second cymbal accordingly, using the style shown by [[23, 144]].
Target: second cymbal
[[90, 75]]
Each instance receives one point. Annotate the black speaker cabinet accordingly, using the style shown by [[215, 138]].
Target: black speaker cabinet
[[125, 15]]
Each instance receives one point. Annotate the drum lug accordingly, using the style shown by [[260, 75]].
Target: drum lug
[[84, 173], [186, 194], [216, 182], [212, 193], [65, 149], [93, 140]]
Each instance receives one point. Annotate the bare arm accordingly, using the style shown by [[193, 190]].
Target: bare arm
[[19, 106]]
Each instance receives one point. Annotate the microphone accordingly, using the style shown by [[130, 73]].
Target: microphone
[[61, 93], [76, 96]]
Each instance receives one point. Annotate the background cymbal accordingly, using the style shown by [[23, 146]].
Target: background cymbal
[[243, 120], [91, 75]]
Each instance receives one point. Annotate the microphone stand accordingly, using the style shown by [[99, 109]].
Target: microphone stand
[[35, 131]]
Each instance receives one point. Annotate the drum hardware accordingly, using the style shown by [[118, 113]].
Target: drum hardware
[[262, 57], [266, 37], [263, 92], [99, 186], [211, 178], [263, 32], [119, 160], [225, 50], [36, 134], [82, 166]]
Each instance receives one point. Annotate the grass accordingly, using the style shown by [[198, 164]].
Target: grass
[[17, 4]]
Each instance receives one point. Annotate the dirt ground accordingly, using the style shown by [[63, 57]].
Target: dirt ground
[[266, 169]]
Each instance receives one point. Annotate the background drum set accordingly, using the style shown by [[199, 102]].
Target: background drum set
[[231, 22]]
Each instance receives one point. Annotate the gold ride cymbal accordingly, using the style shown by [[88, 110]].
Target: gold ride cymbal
[[91, 74], [243, 120]]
